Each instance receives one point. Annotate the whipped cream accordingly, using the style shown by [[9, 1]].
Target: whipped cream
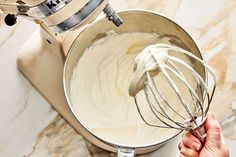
[[149, 60], [100, 91]]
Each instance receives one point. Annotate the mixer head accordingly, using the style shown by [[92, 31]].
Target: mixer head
[[58, 15], [167, 89]]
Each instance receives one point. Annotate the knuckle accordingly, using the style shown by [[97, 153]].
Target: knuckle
[[188, 139], [188, 152], [186, 135]]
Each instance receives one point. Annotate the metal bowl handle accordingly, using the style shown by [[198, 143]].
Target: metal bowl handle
[[126, 152]]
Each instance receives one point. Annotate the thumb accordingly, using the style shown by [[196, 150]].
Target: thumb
[[213, 130]]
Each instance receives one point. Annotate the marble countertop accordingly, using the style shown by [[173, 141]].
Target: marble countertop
[[30, 127]]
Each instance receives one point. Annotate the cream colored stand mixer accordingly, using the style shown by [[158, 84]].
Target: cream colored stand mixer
[[61, 23]]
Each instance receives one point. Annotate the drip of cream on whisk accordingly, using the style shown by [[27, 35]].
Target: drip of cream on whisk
[[149, 60]]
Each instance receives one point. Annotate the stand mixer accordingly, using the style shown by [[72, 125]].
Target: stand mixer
[[59, 21], [58, 15]]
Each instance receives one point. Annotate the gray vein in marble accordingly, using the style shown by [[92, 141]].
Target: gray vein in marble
[[10, 34], [23, 102], [59, 139], [2, 16]]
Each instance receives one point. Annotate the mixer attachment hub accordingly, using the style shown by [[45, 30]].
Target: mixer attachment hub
[[10, 19], [112, 15]]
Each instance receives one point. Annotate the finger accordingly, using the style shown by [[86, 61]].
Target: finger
[[212, 128], [190, 141], [181, 155], [180, 145], [188, 152]]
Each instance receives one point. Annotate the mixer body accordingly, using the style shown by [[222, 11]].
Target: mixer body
[[58, 15]]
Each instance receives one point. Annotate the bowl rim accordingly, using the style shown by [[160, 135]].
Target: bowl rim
[[117, 145]]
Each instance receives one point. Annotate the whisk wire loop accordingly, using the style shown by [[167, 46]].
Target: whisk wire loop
[[175, 88], [151, 85]]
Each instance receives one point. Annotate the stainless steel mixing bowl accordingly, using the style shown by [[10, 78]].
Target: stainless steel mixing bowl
[[134, 21]]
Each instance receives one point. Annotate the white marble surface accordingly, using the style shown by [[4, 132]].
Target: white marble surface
[[30, 127], [24, 113]]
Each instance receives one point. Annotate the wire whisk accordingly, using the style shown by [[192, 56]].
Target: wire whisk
[[175, 85]]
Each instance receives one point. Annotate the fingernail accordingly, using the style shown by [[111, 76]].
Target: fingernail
[[196, 146]]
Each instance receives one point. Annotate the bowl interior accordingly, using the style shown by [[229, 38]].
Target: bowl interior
[[134, 21]]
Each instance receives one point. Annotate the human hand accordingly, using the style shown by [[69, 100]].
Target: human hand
[[214, 145]]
